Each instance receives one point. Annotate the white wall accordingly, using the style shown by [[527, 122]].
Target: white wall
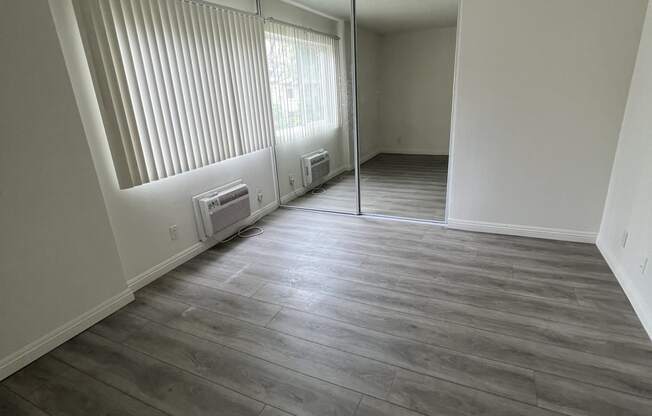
[[141, 216], [59, 266], [369, 68], [629, 202], [416, 84], [541, 91]]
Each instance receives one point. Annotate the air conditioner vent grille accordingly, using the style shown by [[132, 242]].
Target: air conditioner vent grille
[[318, 159], [221, 208], [316, 167], [233, 194]]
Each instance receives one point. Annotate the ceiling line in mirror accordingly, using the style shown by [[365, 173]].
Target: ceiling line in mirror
[[213, 5], [308, 29], [388, 16]]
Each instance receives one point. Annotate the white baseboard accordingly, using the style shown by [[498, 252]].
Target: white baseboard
[[641, 307], [414, 151], [285, 199], [523, 231], [300, 191], [400, 151], [148, 276], [369, 156], [53, 339]]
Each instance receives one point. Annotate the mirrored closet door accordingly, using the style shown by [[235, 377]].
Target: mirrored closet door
[[308, 52], [405, 68]]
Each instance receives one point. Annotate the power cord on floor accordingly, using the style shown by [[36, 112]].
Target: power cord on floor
[[319, 190], [246, 232]]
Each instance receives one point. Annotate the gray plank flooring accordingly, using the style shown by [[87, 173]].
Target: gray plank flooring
[[335, 315], [409, 186], [12, 404]]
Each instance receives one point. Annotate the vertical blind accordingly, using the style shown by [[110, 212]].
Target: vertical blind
[[304, 77], [181, 85]]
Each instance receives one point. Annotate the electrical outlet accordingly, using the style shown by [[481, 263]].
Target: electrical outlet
[[644, 265], [625, 237], [173, 232], [291, 180], [260, 196]]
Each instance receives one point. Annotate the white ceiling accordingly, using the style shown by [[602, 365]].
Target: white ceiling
[[387, 16]]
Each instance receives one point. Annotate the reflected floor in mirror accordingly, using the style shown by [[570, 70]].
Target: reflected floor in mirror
[[408, 186]]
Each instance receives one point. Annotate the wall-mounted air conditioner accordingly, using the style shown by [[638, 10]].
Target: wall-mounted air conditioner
[[315, 167], [218, 209]]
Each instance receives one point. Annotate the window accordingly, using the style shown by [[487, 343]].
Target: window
[[303, 71], [181, 85]]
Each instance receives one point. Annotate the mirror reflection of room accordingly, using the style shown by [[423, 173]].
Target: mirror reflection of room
[[405, 56], [308, 63]]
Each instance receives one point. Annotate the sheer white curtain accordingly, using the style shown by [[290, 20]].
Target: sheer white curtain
[[304, 79], [181, 85]]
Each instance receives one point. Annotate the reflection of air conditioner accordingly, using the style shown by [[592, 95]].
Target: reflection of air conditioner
[[224, 207], [315, 167]]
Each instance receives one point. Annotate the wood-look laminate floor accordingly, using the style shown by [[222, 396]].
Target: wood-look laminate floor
[[336, 315], [409, 186]]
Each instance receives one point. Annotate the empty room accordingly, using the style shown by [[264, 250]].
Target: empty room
[[326, 207]]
